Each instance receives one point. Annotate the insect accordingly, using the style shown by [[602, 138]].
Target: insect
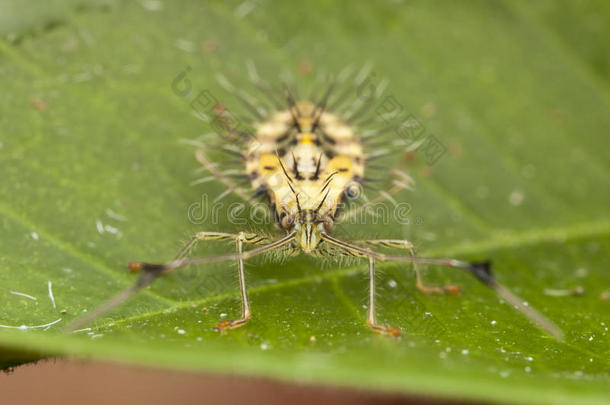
[[303, 158]]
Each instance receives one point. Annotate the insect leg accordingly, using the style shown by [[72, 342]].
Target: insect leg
[[481, 270], [245, 304], [371, 319], [240, 239], [419, 283], [150, 271], [249, 238]]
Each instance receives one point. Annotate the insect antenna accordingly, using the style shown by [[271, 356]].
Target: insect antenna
[[290, 180], [296, 197], [480, 270], [328, 181], [322, 202]]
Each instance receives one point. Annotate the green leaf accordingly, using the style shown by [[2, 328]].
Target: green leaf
[[94, 175]]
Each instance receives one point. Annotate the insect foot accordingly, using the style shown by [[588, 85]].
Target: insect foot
[[452, 289], [223, 326], [385, 329]]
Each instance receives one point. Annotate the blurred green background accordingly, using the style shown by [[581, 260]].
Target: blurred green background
[[93, 174]]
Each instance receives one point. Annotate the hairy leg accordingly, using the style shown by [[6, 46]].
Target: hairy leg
[[371, 319], [419, 283]]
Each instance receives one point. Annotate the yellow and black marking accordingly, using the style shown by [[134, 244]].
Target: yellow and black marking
[[322, 156], [305, 159]]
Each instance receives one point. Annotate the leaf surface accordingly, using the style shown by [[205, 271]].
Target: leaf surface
[[94, 175]]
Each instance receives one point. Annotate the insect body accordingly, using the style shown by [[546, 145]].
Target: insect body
[[306, 174], [304, 160]]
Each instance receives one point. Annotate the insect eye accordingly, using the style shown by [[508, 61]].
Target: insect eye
[[352, 191], [287, 222]]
